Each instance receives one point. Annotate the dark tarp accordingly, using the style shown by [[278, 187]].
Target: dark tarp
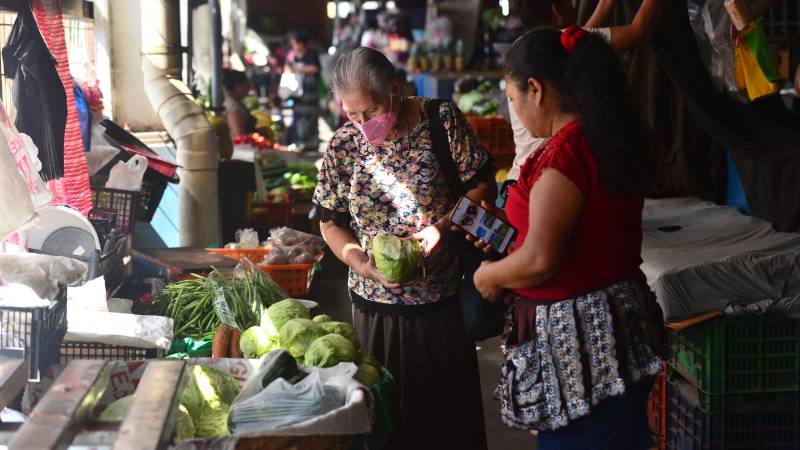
[[763, 135]]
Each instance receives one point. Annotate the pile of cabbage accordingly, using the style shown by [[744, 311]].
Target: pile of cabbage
[[203, 408], [318, 341]]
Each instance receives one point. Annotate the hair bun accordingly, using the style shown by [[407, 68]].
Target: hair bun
[[571, 36]]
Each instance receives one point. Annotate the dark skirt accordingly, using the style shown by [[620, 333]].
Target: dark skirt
[[438, 403]]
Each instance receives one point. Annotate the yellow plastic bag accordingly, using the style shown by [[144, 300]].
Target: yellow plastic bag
[[750, 76]]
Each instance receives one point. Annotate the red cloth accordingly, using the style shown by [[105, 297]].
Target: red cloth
[[73, 189], [606, 244]]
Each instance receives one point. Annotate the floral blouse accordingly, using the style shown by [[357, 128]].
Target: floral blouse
[[397, 188]]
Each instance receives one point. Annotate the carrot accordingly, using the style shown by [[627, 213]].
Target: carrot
[[233, 348], [221, 342]]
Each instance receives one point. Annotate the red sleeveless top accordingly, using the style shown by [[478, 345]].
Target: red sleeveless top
[[606, 244]]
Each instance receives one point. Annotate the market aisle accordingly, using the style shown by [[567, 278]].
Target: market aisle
[[330, 291]]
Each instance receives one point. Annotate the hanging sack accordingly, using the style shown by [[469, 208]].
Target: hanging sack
[[26, 156], [756, 40], [482, 319], [749, 75]]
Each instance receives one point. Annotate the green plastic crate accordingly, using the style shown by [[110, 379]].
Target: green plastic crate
[[757, 358]]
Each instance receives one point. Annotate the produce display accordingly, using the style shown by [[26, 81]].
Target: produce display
[[191, 303], [203, 408], [396, 258], [482, 99], [320, 341], [256, 140], [280, 177]]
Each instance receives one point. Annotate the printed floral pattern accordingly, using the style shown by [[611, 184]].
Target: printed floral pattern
[[542, 383], [397, 189]]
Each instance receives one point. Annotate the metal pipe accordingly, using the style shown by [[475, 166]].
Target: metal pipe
[[184, 120], [216, 55]]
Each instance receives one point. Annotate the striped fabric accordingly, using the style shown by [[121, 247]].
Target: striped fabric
[[73, 189]]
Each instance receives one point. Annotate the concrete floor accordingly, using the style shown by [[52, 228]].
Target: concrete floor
[[330, 290]]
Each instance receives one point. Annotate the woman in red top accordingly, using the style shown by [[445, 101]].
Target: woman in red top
[[583, 340]]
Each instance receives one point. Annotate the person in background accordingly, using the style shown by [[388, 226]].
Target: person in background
[[560, 14], [380, 176], [304, 61], [237, 87], [584, 337]]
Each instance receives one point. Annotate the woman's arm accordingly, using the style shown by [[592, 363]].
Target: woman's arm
[[345, 246], [555, 208], [626, 37], [602, 14]]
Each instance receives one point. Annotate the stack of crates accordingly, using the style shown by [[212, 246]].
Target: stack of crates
[[735, 384]]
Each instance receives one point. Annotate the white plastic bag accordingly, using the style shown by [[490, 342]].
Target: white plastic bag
[[16, 208], [26, 156], [247, 238], [283, 404], [127, 176]]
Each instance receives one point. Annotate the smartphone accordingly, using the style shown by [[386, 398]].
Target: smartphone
[[483, 225]]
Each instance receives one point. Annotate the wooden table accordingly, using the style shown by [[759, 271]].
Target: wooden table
[[184, 260]]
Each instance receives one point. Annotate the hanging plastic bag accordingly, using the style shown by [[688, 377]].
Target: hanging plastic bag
[[750, 76], [756, 40], [26, 156], [127, 176], [16, 208], [711, 24], [291, 85]]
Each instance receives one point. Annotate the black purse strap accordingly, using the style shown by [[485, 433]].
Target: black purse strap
[[441, 149]]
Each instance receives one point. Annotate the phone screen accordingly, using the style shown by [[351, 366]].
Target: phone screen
[[483, 225]]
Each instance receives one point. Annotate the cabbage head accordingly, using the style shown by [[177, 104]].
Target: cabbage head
[[206, 389], [297, 334], [117, 410], [254, 342], [276, 316], [212, 422], [396, 258], [342, 329], [184, 426], [322, 318], [330, 350], [368, 374]]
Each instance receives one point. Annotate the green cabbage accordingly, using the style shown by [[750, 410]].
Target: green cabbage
[[322, 318], [368, 374], [207, 389], [342, 329], [212, 422], [297, 334], [278, 314], [330, 350], [254, 342], [396, 258], [184, 426], [116, 411]]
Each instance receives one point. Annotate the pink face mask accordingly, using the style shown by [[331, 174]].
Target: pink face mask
[[376, 130]]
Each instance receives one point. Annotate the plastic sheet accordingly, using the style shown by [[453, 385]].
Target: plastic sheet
[[44, 274]]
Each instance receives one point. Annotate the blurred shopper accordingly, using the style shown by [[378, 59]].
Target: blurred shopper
[[237, 86], [303, 62]]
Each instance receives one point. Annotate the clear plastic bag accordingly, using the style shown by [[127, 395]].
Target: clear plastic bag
[[296, 254], [247, 238], [712, 28], [287, 237]]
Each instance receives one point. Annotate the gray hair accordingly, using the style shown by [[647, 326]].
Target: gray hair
[[363, 68]]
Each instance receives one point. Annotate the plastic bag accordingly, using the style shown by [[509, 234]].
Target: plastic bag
[[712, 28], [247, 238], [296, 254], [42, 273], [282, 404], [127, 176], [26, 155], [287, 237]]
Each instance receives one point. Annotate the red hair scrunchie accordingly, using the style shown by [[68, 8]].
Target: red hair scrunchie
[[570, 37]]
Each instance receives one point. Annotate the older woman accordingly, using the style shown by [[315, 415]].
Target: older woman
[[584, 338], [380, 176]]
